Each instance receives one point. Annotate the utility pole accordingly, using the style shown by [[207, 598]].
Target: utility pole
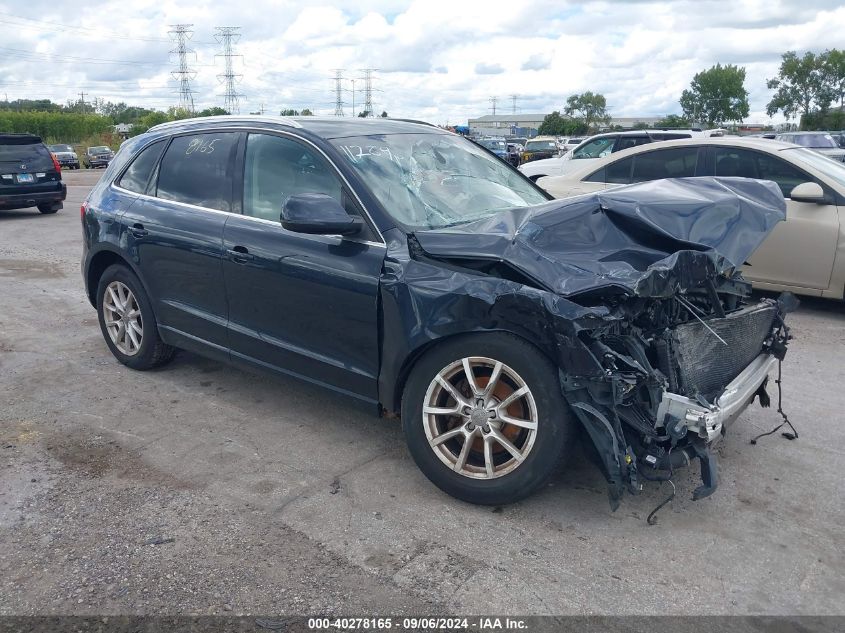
[[338, 92], [513, 103], [82, 101], [261, 109], [493, 101], [227, 37], [181, 33]]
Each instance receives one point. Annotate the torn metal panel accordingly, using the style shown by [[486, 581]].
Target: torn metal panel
[[646, 239], [634, 294]]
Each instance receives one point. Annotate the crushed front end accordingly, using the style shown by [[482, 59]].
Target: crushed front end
[[674, 373]]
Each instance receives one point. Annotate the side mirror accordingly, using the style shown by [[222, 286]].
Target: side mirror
[[318, 214], [808, 192]]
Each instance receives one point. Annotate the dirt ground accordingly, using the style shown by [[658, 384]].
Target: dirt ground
[[199, 488]]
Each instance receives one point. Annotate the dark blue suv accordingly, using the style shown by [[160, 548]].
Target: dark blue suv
[[405, 266]]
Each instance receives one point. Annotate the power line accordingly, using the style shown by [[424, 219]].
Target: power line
[[70, 59], [338, 92], [181, 33], [228, 36]]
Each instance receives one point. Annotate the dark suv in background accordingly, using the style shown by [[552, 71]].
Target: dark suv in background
[[30, 176]]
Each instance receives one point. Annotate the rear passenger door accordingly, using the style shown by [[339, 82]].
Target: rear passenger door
[[174, 232], [800, 251]]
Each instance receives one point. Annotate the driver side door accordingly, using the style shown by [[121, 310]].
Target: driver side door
[[300, 304]]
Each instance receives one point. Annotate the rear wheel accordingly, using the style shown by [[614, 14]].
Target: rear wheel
[[48, 208], [127, 320], [484, 418]]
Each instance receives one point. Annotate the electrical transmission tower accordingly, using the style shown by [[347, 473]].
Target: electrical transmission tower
[[181, 33], [513, 103], [368, 91], [493, 101], [227, 37], [338, 92]]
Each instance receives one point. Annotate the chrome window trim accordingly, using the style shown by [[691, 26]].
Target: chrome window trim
[[247, 130], [327, 239]]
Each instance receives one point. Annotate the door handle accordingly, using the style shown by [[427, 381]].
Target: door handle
[[138, 230], [240, 254]]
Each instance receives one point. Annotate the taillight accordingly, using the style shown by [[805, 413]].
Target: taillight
[[56, 162], [82, 211]]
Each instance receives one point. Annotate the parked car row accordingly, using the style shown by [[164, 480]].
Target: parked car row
[[93, 158]]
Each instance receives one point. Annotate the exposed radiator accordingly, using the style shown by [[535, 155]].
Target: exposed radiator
[[705, 365]]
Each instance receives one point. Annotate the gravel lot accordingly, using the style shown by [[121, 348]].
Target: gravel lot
[[203, 489]]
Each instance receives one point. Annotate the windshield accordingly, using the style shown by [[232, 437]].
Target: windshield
[[99, 150], [429, 181], [540, 145], [823, 141], [493, 145], [61, 148], [831, 168]]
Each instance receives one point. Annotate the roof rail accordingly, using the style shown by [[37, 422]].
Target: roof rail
[[231, 118]]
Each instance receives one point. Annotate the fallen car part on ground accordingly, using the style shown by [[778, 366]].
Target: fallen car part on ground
[[634, 293]]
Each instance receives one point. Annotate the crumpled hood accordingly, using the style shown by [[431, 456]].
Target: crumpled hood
[[648, 239]]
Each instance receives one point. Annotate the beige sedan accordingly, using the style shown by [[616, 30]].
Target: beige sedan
[[805, 254]]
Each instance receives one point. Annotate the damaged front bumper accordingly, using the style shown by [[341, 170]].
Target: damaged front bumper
[[681, 415]]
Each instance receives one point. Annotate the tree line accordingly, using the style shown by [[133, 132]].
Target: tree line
[[809, 88]]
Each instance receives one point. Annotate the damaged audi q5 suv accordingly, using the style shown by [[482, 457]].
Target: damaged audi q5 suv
[[402, 265]]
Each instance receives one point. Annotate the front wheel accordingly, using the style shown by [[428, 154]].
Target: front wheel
[[127, 320], [484, 418]]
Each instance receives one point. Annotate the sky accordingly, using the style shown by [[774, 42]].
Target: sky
[[435, 60]]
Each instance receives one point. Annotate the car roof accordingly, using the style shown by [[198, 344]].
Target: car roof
[[19, 139], [730, 141], [325, 127]]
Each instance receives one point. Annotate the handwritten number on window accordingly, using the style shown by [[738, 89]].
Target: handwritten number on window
[[201, 145]]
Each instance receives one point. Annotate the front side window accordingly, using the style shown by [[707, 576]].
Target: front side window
[[744, 163], [675, 162], [276, 168], [196, 170], [434, 180], [596, 148], [137, 176]]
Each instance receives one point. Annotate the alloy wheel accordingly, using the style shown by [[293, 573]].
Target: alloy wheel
[[122, 316], [480, 417]]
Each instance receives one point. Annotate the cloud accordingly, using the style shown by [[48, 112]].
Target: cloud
[[482, 68], [437, 59], [537, 62]]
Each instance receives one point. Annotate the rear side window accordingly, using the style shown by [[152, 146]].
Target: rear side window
[[196, 170], [626, 142], [677, 162], [137, 177]]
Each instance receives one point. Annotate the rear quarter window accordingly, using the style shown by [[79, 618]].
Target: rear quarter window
[[137, 176]]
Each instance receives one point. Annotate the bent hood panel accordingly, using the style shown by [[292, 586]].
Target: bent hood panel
[[646, 239]]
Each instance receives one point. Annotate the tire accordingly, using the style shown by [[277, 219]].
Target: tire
[[48, 209], [494, 476], [145, 352]]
